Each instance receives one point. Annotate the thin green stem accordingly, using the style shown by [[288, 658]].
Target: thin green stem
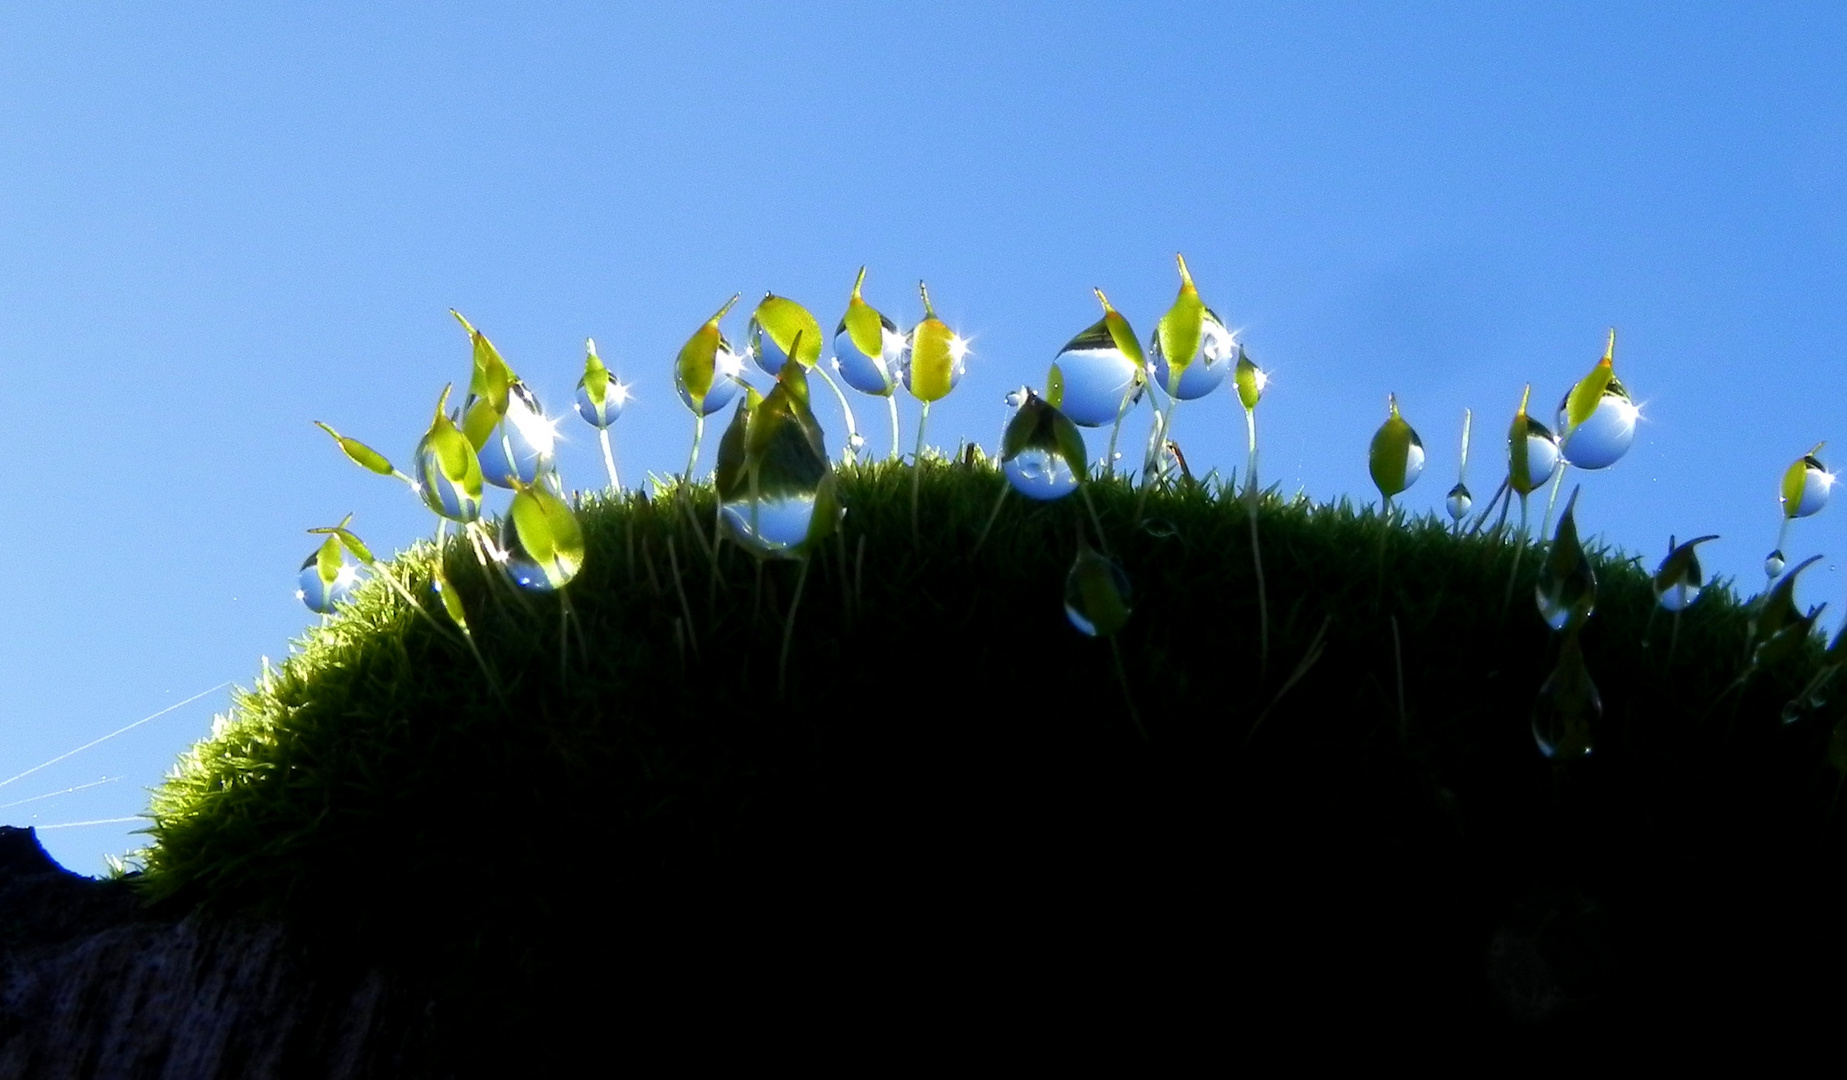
[[609, 459], [698, 434], [923, 422], [847, 409], [992, 517], [788, 634], [891, 404], [1122, 679]]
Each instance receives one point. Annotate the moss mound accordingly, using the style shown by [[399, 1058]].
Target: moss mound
[[647, 809]]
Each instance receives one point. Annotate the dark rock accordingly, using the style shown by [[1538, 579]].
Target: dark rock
[[93, 986]]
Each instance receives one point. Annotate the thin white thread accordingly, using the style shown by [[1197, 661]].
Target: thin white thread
[[111, 735]]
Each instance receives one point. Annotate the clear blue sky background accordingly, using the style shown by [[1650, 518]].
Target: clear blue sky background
[[219, 223]]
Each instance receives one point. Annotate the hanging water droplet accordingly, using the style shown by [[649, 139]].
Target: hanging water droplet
[[1191, 351], [603, 414], [1040, 474], [1605, 436], [937, 357], [1773, 564], [1806, 485], [1096, 594], [869, 349], [448, 470], [1017, 398], [1457, 502], [777, 326], [1596, 419], [1041, 451], [542, 541], [1099, 370], [1567, 586], [1567, 707], [1397, 454], [1678, 580], [520, 447], [600, 395], [1210, 364], [327, 578], [1541, 455], [726, 384], [770, 526], [855, 443]]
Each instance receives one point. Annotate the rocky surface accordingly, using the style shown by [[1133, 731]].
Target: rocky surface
[[91, 985]]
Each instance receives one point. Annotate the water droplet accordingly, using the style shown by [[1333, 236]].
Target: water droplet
[[1567, 587], [1096, 594], [936, 359], [856, 442], [770, 526], [725, 385], [868, 347], [1397, 454], [1099, 378], [1458, 501], [1806, 486], [1599, 441], [1160, 528], [1214, 359], [615, 397], [1678, 580], [327, 578], [1566, 708], [1040, 474], [1541, 455], [1017, 398], [520, 447], [1041, 451], [1773, 564], [448, 470]]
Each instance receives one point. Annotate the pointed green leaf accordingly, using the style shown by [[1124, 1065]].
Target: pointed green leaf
[[1178, 334], [1250, 380], [697, 365], [865, 327], [1391, 452], [451, 602], [1585, 396], [791, 327], [549, 533], [596, 375], [934, 350], [361, 454]]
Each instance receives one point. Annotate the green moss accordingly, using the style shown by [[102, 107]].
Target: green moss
[[951, 763]]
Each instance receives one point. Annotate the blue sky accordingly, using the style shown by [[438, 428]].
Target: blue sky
[[220, 223]]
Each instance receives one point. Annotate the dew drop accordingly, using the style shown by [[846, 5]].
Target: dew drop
[[323, 595], [520, 447], [1218, 350], [1096, 594], [1774, 563], [1099, 381], [1040, 474], [1457, 502], [1566, 707], [1605, 436], [771, 526]]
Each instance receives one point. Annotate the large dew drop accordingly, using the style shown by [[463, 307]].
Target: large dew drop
[[774, 527], [327, 578], [520, 447], [1040, 474], [1599, 441], [1458, 502], [1678, 580], [1042, 452], [1567, 707], [1096, 594], [1806, 485], [1567, 587], [869, 349], [1217, 353]]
